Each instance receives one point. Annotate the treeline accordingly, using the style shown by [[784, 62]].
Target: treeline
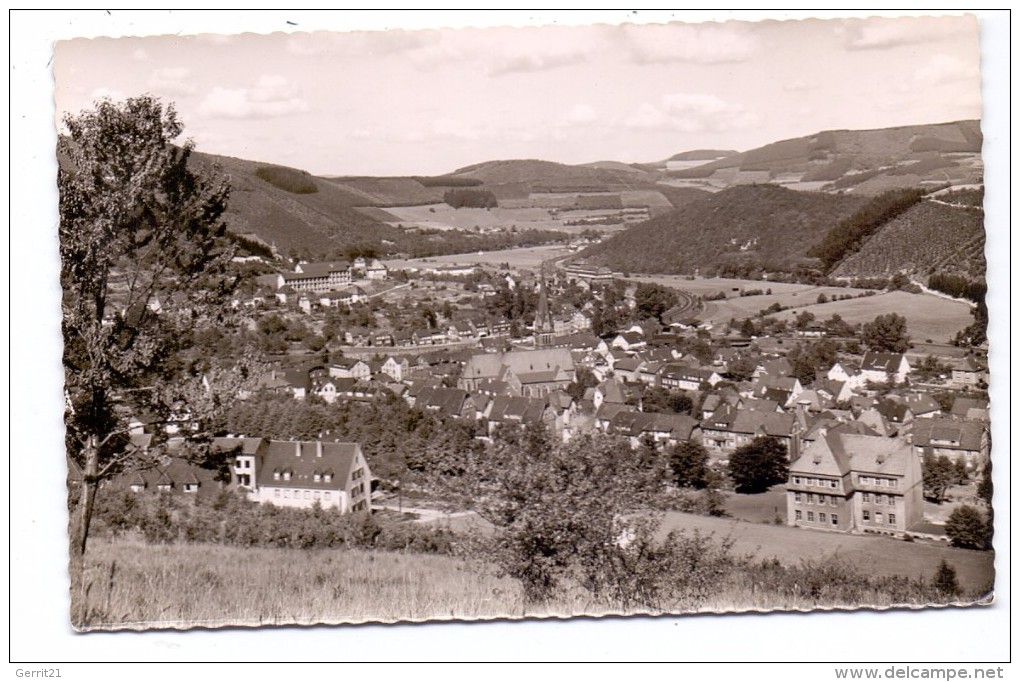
[[849, 234], [287, 179], [252, 246], [229, 519], [958, 287], [446, 181], [470, 198], [396, 438]]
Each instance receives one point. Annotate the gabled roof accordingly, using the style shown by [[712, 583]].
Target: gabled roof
[[447, 401], [763, 423], [966, 407], [882, 362], [518, 410], [895, 411], [953, 434], [303, 459]]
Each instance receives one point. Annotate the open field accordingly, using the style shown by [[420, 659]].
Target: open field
[[445, 217], [527, 258], [188, 585], [928, 317], [875, 555]]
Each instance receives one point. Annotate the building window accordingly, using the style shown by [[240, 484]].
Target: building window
[[892, 501], [866, 515], [317, 477], [834, 520], [276, 492], [327, 495], [892, 482], [866, 497], [308, 494], [796, 480], [327, 477], [879, 499], [878, 517], [892, 519], [276, 475], [821, 517], [286, 493], [833, 484], [811, 516], [810, 497], [796, 515], [796, 497], [832, 500]]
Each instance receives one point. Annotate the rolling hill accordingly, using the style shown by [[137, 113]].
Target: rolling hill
[[752, 226], [863, 161]]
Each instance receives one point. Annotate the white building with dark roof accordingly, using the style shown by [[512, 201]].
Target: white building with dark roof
[[856, 483]]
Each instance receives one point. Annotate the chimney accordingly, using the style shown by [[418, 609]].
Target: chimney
[[318, 448], [297, 448]]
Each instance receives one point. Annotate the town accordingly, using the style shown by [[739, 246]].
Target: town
[[866, 428]]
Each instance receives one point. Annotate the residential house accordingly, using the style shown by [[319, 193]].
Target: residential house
[[880, 368], [856, 483], [346, 368], [306, 473], [679, 378], [959, 439], [969, 372], [669, 429], [396, 368], [970, 408]]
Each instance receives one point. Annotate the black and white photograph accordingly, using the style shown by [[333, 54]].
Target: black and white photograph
[[499, 323]]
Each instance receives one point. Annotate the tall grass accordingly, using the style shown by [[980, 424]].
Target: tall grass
[[133, 585]]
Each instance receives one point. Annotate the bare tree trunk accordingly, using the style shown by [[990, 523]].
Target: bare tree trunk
[[80, 531]]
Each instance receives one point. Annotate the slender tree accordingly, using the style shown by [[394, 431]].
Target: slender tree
[[143, 263]]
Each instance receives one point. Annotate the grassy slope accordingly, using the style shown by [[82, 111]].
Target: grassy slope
[[317, 222], [133, 585], [781, 224], [928, 317]]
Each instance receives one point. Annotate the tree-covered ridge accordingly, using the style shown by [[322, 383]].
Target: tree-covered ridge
[[937, 235], [849, 234], [763, 226]]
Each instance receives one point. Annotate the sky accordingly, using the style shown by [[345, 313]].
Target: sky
[[404, 102]]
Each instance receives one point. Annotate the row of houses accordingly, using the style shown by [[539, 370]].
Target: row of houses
[[286, 473]]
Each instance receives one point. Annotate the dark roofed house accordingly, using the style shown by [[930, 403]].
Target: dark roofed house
[[970, 408], [856, 483], [881, 367], [303, 473], [959, 439]]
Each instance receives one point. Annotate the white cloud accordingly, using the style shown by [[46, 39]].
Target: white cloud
[[172, 81], [271, 97], [691, 113], [884, 33], [943, 68], [697, 43], [579, 115]]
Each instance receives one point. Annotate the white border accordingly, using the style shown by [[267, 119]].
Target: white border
[[38, 601]]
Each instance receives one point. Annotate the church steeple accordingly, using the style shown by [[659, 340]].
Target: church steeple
[[543, 316]]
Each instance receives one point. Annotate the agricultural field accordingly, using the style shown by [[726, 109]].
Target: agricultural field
[[527, 258], [928, 317], [445, 217]]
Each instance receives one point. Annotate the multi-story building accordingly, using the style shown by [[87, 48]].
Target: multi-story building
[[856, 483]]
